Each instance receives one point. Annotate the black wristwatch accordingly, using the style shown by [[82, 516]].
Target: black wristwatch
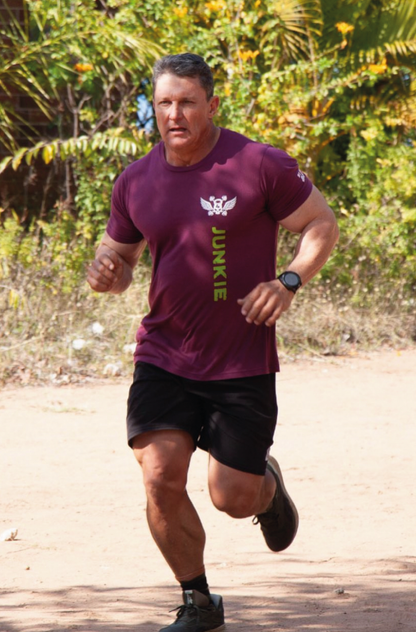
[[291, 280]]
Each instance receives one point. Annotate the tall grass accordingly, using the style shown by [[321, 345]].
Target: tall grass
[[51, 335]]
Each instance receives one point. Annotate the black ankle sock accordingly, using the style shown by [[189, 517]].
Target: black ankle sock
[[197, 583]]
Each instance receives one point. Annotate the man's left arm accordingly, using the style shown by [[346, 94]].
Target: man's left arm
[[315, 222]]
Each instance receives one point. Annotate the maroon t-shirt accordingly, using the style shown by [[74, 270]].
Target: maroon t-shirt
[[212, 233]]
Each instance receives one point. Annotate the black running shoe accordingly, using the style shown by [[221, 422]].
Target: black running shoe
[[280, 523], [198, 614]]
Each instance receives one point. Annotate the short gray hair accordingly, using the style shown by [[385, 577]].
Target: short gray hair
[[185, 65]]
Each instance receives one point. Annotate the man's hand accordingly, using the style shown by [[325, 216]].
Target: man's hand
[[266, 303], [112, 268], [106, 270]]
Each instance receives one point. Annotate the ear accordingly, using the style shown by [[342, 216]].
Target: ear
[[213, 106]]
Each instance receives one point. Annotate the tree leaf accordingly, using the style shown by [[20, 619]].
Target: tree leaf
[[5, 162], [18, 157]]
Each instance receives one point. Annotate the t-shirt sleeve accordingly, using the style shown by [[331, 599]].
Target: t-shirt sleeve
[[286, 186], [120, 226]]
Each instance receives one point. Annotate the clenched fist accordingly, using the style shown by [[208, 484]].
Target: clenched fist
[[106, 270]]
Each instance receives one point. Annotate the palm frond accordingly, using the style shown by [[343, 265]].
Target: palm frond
[[291, 26], [112, 141], [394, 31]]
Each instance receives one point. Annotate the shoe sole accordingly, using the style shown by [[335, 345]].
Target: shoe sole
[[221, 628], [278, 472]]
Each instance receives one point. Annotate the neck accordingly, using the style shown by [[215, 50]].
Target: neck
[[192, 156]]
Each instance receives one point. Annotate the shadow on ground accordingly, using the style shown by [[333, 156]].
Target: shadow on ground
[[308, 605]]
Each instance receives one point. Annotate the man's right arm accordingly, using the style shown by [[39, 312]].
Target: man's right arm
[[112, 269]]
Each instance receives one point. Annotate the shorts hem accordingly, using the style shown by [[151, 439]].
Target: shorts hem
[[141, 431], [247, 469]]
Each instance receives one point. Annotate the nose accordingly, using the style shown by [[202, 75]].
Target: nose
[[175, 111]]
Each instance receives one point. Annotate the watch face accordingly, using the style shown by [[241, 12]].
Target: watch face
[[292, 278]]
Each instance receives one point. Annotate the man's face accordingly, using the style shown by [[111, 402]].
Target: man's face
[[183, 114]]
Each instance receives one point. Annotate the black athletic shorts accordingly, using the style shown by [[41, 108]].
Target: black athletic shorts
[[232, 419]]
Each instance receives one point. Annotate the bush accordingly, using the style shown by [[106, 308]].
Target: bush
[[52, 326]]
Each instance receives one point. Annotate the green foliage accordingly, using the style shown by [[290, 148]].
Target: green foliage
[[53, 253], [383, 178], [331, 81], [80, 66], [95, 179]]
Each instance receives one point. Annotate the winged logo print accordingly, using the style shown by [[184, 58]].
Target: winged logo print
[[218, 206]]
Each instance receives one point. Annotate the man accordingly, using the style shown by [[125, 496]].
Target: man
[[208, 202]]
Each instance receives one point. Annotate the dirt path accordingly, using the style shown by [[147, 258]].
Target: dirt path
[[84, 560]]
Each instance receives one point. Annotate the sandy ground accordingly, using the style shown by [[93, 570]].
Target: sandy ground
[[84, 560]]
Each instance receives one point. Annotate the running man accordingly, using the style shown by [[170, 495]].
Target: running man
[[209, 203]]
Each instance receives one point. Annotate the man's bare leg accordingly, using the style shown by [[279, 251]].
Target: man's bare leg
[[237, 493], [173, 521], [241, 494]]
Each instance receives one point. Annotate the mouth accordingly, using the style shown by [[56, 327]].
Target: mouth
[[177, 130]]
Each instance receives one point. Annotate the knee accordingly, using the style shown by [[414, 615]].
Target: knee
[[163, 484], [236, 503], [234, 492], [164, 457]]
